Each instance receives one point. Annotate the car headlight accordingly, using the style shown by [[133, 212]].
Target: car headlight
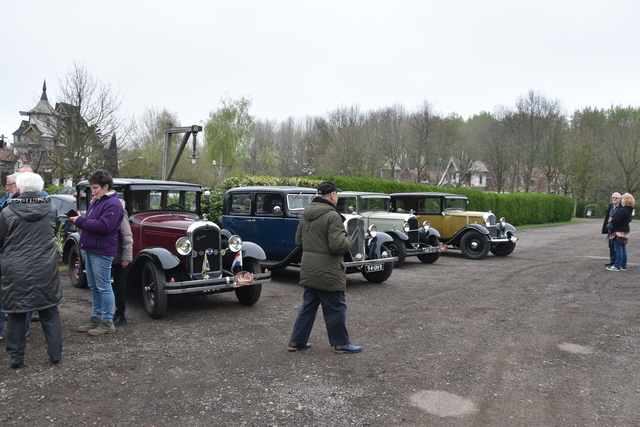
[[503, 221], [406, 227], [184, 246], [426, 225], [373, 230], [235, 243]]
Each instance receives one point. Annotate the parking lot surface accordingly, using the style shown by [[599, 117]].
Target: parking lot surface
[[543, 337]]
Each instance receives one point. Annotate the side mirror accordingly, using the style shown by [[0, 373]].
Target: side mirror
[[277, 210]]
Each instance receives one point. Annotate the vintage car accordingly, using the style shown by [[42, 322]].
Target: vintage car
[[409, 239], [269, 216], [174, 251], [474, 233]]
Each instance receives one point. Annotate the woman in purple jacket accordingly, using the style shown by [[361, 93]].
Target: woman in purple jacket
[[99, 241]]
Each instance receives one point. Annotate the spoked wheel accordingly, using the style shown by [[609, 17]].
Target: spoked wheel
[[249, 295], [76, 273], [155, 300]]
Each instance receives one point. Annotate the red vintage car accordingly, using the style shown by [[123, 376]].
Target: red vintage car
[[175, 251]]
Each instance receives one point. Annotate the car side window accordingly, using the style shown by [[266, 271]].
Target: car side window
[[344, 203], [430, 205], [266, 202], [240, 204]]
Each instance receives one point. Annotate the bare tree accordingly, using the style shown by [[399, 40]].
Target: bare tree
[[261, 157], [582, 158], [390, 128], [142, 157], [623, 137], [343, 140], [87, 118], [533, 122], [422, 147]]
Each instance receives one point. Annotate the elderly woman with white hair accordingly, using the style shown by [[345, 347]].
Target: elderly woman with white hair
[[28, 226]]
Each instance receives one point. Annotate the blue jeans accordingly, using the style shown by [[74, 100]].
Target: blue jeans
[[99, 281], [621, 254], [334, 310]]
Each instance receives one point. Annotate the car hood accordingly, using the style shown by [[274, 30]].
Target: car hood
[[474, 214], [180, 221]]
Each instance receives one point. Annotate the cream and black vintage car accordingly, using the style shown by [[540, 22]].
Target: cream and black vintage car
[[410, 237]]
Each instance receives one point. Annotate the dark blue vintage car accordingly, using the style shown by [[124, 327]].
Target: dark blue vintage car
[[269, 217]]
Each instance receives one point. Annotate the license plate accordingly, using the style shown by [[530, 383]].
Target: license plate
[[430, 249], [369, 268]]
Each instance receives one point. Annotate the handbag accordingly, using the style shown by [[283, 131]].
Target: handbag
[[622, 237]]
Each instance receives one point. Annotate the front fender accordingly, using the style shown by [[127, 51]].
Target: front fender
[[432, 232], [374, 245], [455, 240], [160, 256], [252, 250], [509, 227], [398, 234]]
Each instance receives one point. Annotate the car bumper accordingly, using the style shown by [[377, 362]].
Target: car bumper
[[212, 285], [370, 262], [424, 250]]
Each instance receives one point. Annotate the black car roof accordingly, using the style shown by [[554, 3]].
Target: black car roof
[[125, 181], [282, 188], [429, 194]]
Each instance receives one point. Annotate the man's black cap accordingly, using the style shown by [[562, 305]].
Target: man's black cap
[[327, 188]]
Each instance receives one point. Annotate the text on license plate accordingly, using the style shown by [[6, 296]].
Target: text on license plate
[[373, 267]]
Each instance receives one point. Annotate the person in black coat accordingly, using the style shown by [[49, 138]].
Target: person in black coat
[[620, 231], [613, 206], [28, 226]]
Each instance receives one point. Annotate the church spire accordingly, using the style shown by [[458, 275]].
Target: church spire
[[44, 92]]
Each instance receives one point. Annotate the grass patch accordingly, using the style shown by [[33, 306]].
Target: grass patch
[[550, 224]]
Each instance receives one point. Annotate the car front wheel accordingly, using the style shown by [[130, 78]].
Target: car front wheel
[[474, 245], [155, 300], [76, 273], [432, 257], [249, 295], [503, 249], [398, 249], [382, 275]]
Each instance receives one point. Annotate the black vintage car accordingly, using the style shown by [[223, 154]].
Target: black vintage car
[[175, 252], [269, 216]]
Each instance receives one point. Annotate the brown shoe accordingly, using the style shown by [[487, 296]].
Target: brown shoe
[[93, 323], [103, 328]]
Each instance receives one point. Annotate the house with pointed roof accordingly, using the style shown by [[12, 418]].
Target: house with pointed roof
[[48, 128]]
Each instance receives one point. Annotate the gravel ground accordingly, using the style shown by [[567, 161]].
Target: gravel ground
[[543, 337]]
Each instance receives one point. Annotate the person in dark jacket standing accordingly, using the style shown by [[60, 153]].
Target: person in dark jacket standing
[[615, 204], [99, 240], [28, 226], [324, 241], [120, 265], [620, 231]]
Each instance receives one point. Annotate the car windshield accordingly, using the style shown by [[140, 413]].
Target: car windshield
[[153, 200], [375, 204], [455, 204], [298, 201]]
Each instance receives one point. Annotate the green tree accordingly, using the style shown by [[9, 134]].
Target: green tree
[[228, 133]]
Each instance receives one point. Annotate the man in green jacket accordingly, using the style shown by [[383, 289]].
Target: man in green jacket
[[324, 241]]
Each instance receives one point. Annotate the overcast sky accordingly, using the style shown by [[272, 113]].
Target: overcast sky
[[306, 58]]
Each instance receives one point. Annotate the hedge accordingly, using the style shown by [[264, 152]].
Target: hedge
[[517, 208]]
